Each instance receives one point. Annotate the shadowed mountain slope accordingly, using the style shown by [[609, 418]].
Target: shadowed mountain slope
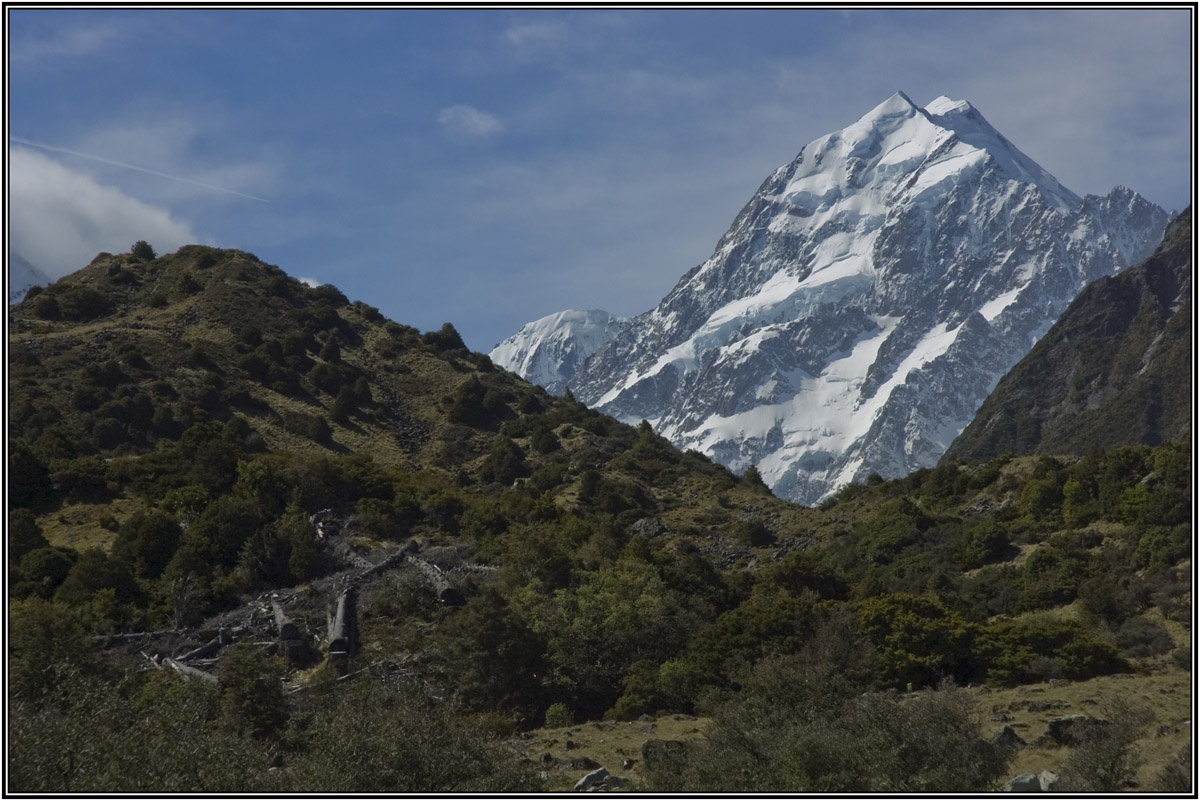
[[1115, 369]]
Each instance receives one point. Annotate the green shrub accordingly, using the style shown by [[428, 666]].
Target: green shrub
[[1006, 650], [917, 639], [558, 716], [798, 726], [1141, 637]]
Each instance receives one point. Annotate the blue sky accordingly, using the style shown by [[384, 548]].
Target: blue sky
[[489, 167]]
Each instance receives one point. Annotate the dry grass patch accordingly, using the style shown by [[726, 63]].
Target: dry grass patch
[[607, 743], [88, 525]]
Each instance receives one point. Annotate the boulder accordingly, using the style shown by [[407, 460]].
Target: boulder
[[1069, 729], [648, 527], [1025, 783], [1006, 738], [655, 751], [600, 781], [597, 776], [1047, 780]]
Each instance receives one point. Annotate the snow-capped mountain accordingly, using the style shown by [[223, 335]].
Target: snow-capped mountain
[[549, 351], [22, 276], [865, 301]]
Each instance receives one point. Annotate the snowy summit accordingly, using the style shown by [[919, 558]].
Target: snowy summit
[[549, 351], [865, 301]]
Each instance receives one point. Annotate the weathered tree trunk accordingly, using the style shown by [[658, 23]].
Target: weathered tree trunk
[[190, 672], [289, 633], [343, 625], [446, 592]]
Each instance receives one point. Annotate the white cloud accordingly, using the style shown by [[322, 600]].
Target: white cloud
[[59, 219], [64, 43], [469, 120], [312, 282], [536, 34]]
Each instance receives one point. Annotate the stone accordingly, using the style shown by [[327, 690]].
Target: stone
[[1069, 729], [1025, 783], [648, 527], [595, 777], [656, 750], [1047, 780], [1006, 738], [582, 763]]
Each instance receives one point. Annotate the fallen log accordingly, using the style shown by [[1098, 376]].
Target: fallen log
[[343, 624], [287, 630], [189, 671], [446, 592], [208, 649], [134, 635]]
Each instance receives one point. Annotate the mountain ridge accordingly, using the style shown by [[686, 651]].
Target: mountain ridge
[[1111, 371], [865, 301]]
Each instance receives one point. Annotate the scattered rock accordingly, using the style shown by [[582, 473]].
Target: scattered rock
[[1047, 780], [570, 745], [583, 763], [657, 750], [648, 527], [600, 780], [1025, 783], [595, 777], [1006, 738], [1001, 717], [1069, 729]]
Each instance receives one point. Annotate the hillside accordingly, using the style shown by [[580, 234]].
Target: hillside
[[1115, 369], [389, 566]]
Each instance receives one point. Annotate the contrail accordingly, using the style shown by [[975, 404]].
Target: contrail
[[133, 167]]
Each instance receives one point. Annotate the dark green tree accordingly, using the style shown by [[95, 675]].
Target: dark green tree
[[252, 699], [143, 250]]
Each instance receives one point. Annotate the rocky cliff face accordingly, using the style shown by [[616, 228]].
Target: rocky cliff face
[[865, 301], [1114, 369]]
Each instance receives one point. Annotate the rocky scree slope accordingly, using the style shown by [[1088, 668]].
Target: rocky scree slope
[[866, 300]]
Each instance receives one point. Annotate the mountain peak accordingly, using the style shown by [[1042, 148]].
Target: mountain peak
[[944, 105], [547, 351], [865, 301]]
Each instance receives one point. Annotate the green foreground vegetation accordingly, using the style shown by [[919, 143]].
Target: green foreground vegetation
[[176, 422]]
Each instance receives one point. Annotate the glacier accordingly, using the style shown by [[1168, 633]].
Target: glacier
[[22, 277], [548, 351], [863, 303]]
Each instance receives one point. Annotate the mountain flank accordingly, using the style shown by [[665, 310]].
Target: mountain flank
[[1117, 367]]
